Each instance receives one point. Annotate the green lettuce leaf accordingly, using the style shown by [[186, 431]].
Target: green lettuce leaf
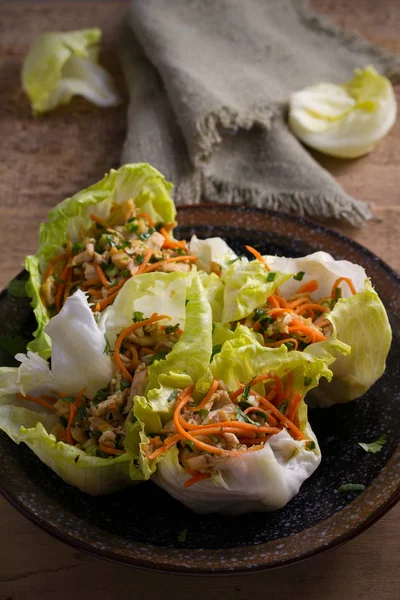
[[139, 181], [65, 64], [246, 288], [214, 289], [33, 426]]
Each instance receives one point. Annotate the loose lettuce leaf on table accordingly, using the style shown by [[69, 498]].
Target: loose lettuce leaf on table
[[65, 64]]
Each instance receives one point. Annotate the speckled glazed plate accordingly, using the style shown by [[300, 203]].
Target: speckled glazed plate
[[144, 527]]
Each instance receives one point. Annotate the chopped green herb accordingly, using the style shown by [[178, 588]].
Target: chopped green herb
[[132, 225], [77, 247], [101, 395], [233, 260], [173, 395], [69, 399], [58, 279], [258, 314], [171, 328], [150, 358], [189, 445], [122, 245], [289, 345], [310, 445], [107, 349], [283, 407], [299, 276], [145, 236], [374, 447], [271, 276], [13, 344], [138, 316], [243, 404], [139, 258], [154, 259], [338, 294], [181, 537], [125, 384], [307, 381], [203, 413], [124, 273], [244, 418], [80, 413], [351, 487], [215, 350], [247, 390], [180, 251], [16, 288], [132, 417]]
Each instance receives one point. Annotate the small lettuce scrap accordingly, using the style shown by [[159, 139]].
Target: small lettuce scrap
[[260, 480], [345, 120], [74, 334], [151, 194], [65, 64]]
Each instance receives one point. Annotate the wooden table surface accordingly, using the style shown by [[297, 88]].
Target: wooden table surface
[[45, 160]]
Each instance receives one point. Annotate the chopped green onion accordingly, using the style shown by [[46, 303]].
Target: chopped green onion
[[173, 395], [101, 395], [150, 358], [310, 445], [244, 418], [171, 328], [154, 259], [180, 251], [77, 248], [243, 404], [139, 258], [80, 412], [283, 407], [132, 225], [271, 276], [125, 384], [124, 273], [299, 276], [214, 438], [138, 316], [203, 413], [307, 381], [289, 345]]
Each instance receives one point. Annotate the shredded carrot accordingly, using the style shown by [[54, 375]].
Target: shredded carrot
[[256, 409], [146, 216], [296, 303], [231, 427], [289, 383], [36, 400], [90, 282], [258, 256], [59, 295], [309, 287], [283, 341], [349, 283], [279, 311], [98, 220], [117, 286], [312, 306], [169, 242], [95, 293], [110, 450], [101, 276], [208, 396], [72, 413], [195, 478], [159, 264], [274, 301], [315, 335], [67, 276], [171, 441], [154, 317], [106, 301], [145, 262], [293, 406], [52, 263]]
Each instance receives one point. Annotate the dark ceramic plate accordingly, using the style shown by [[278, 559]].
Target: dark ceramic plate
[[146, 528]]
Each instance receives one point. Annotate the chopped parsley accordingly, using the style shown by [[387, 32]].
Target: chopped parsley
[[173, 395], [181, 537], [374, 447], [245, 418], [171, 328], [137, 316], [299, 276], [124, 273], [139, 258], [247, 390], [243, 404], [271, 276], [77, 247], [150, 358], [351, 487]]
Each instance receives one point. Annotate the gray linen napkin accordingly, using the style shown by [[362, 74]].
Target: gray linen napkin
[[209, 82]]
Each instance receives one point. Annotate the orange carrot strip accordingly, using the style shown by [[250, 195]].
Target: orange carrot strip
[[144, 264], [72, 413], [52, 263], [299, 301], [67, 276], [289, 383], [106, 301], [309, 287], [95, 293], [36, 400], [114, 288], [157, 265], [101, 275], [171, 441], [195, 478], [312, 306], [59, 295], [293, 406], [299, 326], [285, 420], [110, 450], [258, 256], [98, 220], [207, 397], [90, 282], [169, 242], [273, 300], [154, 317], [279, 311], [146, 216], [349, 283]]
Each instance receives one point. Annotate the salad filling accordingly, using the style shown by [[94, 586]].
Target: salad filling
[[111, 251], [97, 425], [226, 424]]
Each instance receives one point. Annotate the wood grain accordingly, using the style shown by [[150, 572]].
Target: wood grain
[[43, 161]]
